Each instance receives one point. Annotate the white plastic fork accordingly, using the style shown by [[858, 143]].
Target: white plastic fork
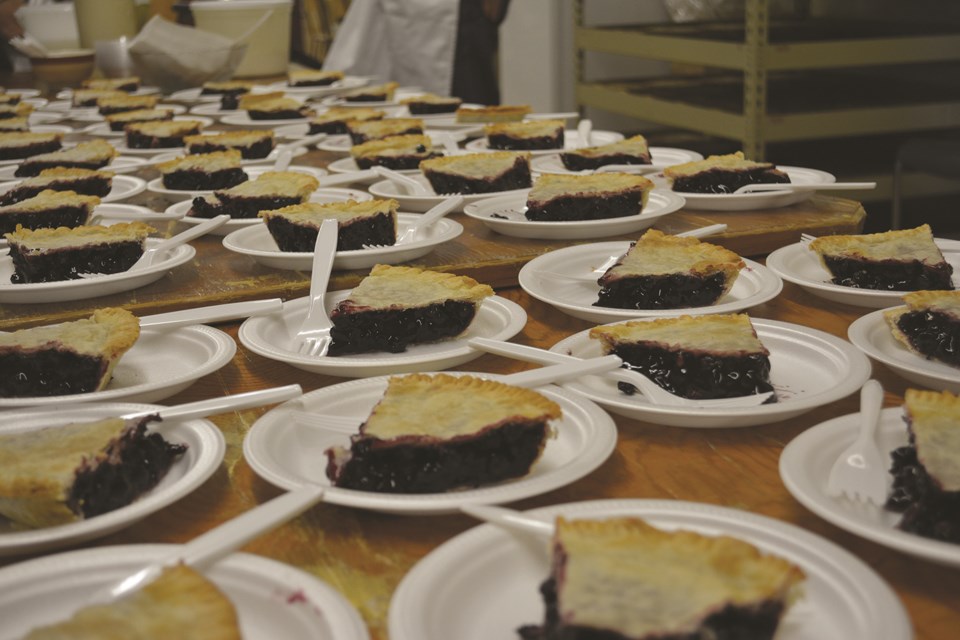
[[806, 239], [651, 391], [313, 338], [788, 186], [584, 129], [209, 314], [212, 406], [408, 184], [509, 519], [426, 220], [860, 472]]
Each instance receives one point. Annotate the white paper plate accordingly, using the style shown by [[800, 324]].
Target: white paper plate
[[286, 453], [203, 456], [755, 285], [571, 140], [755, 200], [93, 115], [805, 466], [120, 164], [160, 364], [347, 83], [103, 129], [797, 264], [213, 110], [85, 288], [341, 143], [398, 95], [349, 165], [661, 158], [328, 194], [58, 105], [52, 128], [270, 158], [271, 337], [252, 171], [45, 117], [67, 94], [660, 203], [871, 334], [273, 599], [255, 241], [421, 203], [484, 583], [123, 187], [809, 369]]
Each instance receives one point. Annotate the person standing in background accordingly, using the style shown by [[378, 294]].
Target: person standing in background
[[9, 25], [447, 47]]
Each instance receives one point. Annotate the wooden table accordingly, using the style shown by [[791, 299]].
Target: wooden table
[[365, 554]]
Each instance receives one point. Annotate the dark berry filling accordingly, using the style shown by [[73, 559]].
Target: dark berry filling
[[230, 101], [756, 622], [426, 108], [109, 111], [934, 334], [129, 466], [928, 510], [516, 177], [137, 140], [351, 236], [360, 138], [240, 207], [586, 207], [31, 168], [672, 291], [419, 465], [279, 114], [889, 275], [253, 151], [319, 82], [66, 216], [27, 150], [578, 162], [55, 265], [333, 127], [92, 186], [366, 97], [699, 376], [392, 330], [397, 163], [198, 180], [504, 141], [724, 181], [48, 372]]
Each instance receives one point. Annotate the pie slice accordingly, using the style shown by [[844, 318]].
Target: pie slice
[[364, 130], [623, 579], [128, 84], [335, 119], [429, 103], [273, 107], [52, 255], [17, 123], [394, 307], [15, 145], [661, 271], [926, 472], [396, 152], [89, 97], [181, 603], [696, 357], [561, 198], [203, 171], [57, 475], [88, 182], [929, 325], [525, 135], [312, 78], [722, 174], [118, 121], [373, 93], [630, 151], [216, 88], [495, 113], [252, 145], [48, 208], [67, 358], [117, 104], [94, 154], [160, 134], [435, 433], [902, 260], [271, 190], [478, 172], [295, 228]]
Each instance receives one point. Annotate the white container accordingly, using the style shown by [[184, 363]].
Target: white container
[[54, 25], [268, 52]]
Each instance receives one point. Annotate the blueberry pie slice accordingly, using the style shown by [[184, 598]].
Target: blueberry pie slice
[[623, 579], [23, 144], [48, 208], [89, 97], [160, 134], [560, 198], [110, 105], [494, 113], [118, 121], [94, 154], [66, 358], [273, 106], [364, 130], [526, 135], [661, 271], [396, 152], [630, 151], [252, 145], [434, 433], [271, 190], [57, 475], [903, 260], [696, 357], [203, 171], [335, 119], [478, 172], [313, 78], [394, 307], [722, 174], [295, 228], [929, 325], [52, 255], [429, 103], [86, 182], [926, 472], [373, 93], [181, 603], [128, 84]]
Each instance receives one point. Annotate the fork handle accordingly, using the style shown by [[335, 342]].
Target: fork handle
[[322, 263], [871, 404]]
